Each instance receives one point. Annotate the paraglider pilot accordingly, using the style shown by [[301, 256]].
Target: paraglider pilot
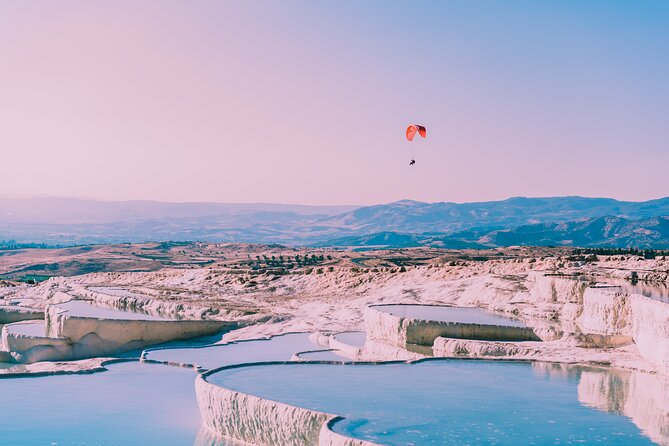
[[411, 132]]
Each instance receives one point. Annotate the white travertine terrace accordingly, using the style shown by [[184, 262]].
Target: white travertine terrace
[[328, 437], [577, 324], [645, 321], [15, 313], [71, 336], [473, 348], [27, 347], [349, 350], [401, 331], [264, 422], [591, 325]]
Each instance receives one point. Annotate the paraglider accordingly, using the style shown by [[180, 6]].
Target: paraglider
[[413, 129], [411, 132]]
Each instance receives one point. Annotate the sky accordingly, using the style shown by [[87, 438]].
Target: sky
[[307, 101]]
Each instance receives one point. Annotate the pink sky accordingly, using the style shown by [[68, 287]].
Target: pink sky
[[307, 102]]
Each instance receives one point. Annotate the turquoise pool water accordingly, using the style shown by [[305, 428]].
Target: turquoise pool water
[[462, 315], [452, 402], [278, 348]]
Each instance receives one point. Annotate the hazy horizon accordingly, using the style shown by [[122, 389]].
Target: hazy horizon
[[334, 205], [306, 103]]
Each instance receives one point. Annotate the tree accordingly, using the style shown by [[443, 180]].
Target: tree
[[634, 278]]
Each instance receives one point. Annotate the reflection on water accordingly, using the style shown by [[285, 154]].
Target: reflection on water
[[641, 396], [471, 402], [206, 438], [449, 314], [8, 367], [656, 291], [653, 290]]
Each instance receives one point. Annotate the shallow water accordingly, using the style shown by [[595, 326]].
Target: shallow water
[[449, 314], [461, 402], [131, 403], [86, 309], [323, 355], [278, 348], [355, 338], [36, 329]]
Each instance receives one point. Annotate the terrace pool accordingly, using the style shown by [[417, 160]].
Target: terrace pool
[[116, 291], [656, 291], [322, 355], [87, 309], [32, 328], [462, 315], [653, 290], [278, 348], [444, 402], [355, 338], [131, 403]]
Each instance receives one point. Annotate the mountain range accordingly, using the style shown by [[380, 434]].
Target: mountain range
[[592, 232], [577, 221]]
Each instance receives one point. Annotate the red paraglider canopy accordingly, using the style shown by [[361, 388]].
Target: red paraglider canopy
[[413, 129]]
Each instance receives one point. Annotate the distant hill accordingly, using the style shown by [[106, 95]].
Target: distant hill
[[594, 232], [553, 220], [416, 217]]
